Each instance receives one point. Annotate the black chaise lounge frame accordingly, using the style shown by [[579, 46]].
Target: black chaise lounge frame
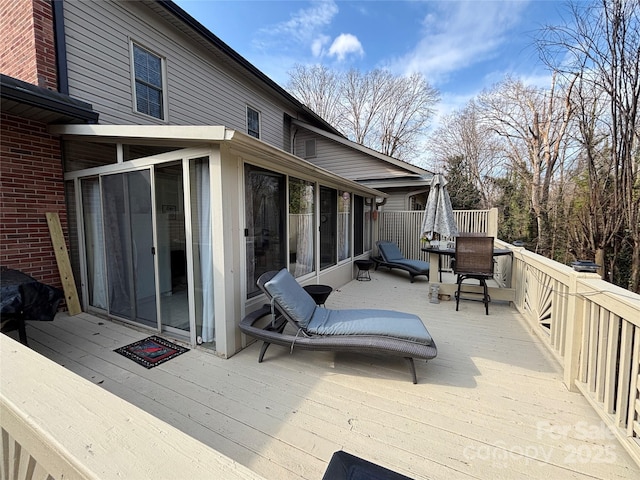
[[273, 332]]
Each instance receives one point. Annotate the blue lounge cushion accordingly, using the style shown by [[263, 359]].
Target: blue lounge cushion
[[291, 297], [300, 307], [390, 251], [369, 322], [391, 254], [417, 265]]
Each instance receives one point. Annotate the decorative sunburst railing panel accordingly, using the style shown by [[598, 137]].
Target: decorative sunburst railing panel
[[593, 329]]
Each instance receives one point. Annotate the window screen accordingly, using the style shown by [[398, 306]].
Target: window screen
[[148, 82], [253, 122]]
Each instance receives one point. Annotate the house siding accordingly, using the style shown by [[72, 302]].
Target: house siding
[[397, 201], [31, 184], [344, 161], [27, 42], [200, 90]]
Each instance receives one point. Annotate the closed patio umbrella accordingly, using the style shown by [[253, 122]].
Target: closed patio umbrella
[[438, 214]]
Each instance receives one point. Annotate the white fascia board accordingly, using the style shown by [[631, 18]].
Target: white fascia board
[[197, 133], [395, 183]]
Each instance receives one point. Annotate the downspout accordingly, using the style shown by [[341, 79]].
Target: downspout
[[369, 202], [293, 140], [374, 215], [57, 8]]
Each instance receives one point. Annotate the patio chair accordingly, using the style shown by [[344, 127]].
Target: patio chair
[[474, 260], [345, 466], [391, 257], [384, 332]]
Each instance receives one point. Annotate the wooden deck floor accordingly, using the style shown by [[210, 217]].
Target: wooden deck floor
[[491, 405]]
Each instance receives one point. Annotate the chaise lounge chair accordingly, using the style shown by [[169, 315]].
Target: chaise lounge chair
[[359, 330], [391, 257]]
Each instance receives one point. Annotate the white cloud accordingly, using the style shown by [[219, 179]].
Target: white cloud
[[459, 34], [345, 44], [317, 45], [537, 79], [303, 25]]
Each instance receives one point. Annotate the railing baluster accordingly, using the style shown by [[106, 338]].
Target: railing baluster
[[603, 341], [611, 361], [592, 350], [633, 410], [624, 380]]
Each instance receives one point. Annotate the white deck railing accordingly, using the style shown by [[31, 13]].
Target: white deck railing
[[593, 329], [57, 425], [591, 326]]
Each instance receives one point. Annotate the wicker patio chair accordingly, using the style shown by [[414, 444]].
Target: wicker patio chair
[[384, 332], [474, 260]]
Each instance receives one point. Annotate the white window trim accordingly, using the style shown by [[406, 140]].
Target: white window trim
[[259, 120], [163, 61]]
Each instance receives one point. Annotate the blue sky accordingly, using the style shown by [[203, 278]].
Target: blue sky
[[460, 47]]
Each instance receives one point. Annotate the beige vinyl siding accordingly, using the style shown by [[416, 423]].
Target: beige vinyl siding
[[200, 90], [396, 202], [344, 161]]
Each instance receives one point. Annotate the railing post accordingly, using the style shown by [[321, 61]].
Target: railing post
[[492, 223], [575, 325]]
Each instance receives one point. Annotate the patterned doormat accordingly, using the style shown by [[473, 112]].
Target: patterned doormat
[[151, 351]]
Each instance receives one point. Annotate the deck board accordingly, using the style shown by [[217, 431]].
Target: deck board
[[481, 409]]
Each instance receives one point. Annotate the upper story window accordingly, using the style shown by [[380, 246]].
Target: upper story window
[[148, 82], [253, 122]]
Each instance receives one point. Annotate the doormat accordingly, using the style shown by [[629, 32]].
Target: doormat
[[151, 351]]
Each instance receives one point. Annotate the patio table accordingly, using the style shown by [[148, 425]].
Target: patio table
[[451, 252], [319, 293]]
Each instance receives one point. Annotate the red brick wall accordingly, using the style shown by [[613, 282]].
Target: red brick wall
[[27, 42], [31, 184]]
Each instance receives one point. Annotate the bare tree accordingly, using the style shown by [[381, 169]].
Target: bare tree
[[602, 45], [381, 111], [319, 89], [599, 216], [364, 96], [533, 123], [405, 117], [463, 135]]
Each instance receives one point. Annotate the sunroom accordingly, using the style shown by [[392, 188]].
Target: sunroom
[[170, 226]]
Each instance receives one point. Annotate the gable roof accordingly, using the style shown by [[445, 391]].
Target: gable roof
[[414, 175], [184, 22]]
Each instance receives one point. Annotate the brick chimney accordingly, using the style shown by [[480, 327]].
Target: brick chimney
[[27, 43]]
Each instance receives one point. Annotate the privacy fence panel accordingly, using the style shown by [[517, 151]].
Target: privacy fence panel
[[404, 228]]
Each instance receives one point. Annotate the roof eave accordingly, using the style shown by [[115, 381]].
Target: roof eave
[[23, 93]]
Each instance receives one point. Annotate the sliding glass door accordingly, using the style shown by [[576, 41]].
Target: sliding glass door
[[148, 246], [265, 193], [171, 252], [129, 246]]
